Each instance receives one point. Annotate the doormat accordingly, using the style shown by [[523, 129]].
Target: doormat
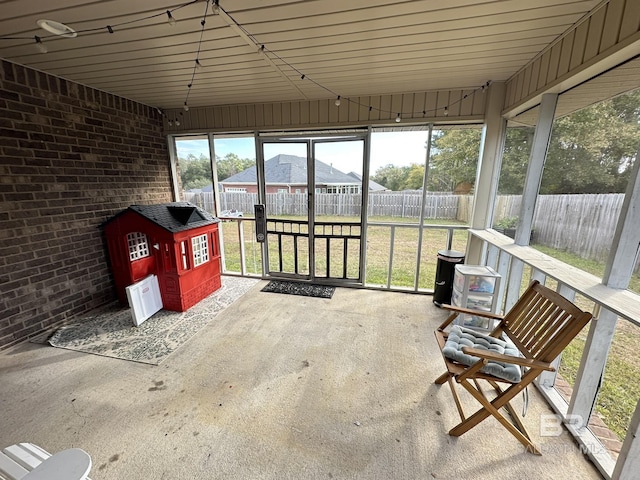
[[297, 288], [111, 333]]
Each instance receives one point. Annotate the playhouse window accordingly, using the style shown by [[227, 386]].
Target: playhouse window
[[138, 245], [200, 250]]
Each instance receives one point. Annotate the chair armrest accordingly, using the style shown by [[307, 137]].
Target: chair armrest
[[477, 313], [499, 357]]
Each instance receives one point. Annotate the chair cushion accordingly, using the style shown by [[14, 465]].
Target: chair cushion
[[460, 337]]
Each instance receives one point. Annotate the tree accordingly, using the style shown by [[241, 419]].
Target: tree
[[232, 164], [515, 160], [455, 160], [593, 149], [392, 177], [195, 172]]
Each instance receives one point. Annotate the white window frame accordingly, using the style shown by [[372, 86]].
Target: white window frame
[[138, 246], [200, 249]]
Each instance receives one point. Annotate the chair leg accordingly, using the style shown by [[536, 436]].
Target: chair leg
[[512, 412], [489, 409], [442, 378]]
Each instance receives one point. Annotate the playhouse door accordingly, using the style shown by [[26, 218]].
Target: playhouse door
[[312, 192]]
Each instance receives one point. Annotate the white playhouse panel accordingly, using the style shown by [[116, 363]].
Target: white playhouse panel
[[144, 299]]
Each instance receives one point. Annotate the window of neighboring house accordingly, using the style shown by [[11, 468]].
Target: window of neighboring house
[[282, 190], [138, 245], [298, 190], [236, 189], [200, 248]]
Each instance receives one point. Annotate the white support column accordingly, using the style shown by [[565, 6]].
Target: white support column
[[628, 464], [618, 271], [626, 241], [489, 162], [535, 168], [514, 283], [591, 370], [532, 181]]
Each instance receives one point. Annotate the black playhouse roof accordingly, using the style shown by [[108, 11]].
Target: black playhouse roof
[[174, 217]]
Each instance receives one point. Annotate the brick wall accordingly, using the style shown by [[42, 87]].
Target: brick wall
[[70, 157]]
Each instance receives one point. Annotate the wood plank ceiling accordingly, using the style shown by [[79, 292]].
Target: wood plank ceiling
[[347, 48]]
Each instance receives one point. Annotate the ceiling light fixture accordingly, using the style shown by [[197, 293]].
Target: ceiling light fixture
[[170, 19], [56, 28]]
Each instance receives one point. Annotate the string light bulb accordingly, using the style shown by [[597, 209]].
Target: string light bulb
[[177, 122], [170, 123], [170, 19], [446, 111], [337, 102], [398, 118], [186, 107], [42, 48], [198, 64]]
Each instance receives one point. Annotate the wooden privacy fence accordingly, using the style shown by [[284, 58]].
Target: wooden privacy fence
[[580, 224], [388, 204]]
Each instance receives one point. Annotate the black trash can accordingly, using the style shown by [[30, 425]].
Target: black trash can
[[445, 270]]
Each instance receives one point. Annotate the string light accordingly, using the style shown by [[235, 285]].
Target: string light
[[42, 48], [170, 19], [261, 49]]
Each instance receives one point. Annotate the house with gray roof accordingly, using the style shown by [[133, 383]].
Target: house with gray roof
[[288, 174]]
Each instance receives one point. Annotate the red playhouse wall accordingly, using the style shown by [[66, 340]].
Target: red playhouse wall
[[180, 287]]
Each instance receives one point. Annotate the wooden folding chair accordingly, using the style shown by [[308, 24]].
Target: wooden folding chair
[[523, 345]]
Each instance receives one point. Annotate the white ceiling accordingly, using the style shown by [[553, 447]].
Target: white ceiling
[[343, 47]]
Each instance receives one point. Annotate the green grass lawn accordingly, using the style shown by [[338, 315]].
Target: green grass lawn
[[620, 389], [621, 386]]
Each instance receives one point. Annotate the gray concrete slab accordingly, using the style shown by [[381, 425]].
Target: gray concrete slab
[[275, 387]]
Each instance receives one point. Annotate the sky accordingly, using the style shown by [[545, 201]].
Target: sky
[[397, 148]]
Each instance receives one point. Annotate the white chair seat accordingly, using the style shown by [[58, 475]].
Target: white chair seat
[[26, 461]]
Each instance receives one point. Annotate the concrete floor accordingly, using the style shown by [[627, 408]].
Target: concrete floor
[[276, 387]]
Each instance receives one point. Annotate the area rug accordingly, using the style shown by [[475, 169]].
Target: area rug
[[297, 288], [111, 332]]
